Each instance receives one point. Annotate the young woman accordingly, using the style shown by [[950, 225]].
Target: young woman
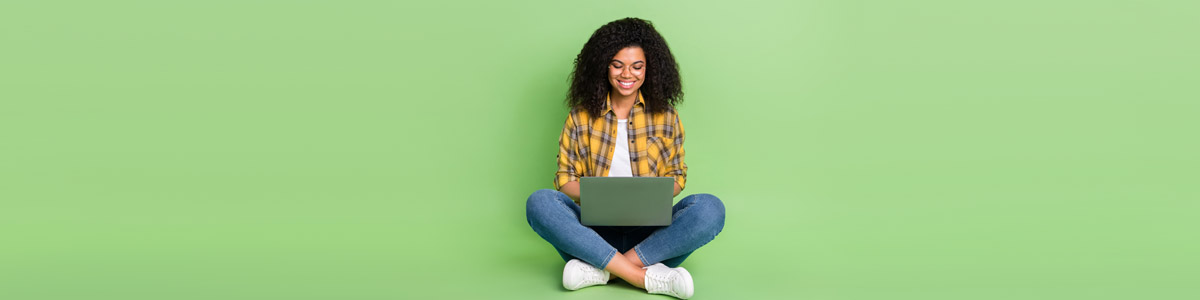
[[623, 123]]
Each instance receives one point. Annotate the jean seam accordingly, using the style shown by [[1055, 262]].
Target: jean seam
[[638, 249], [608, 258], [680, 212], [564, 206]]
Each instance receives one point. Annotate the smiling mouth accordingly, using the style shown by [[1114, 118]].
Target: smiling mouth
[[626, 84]]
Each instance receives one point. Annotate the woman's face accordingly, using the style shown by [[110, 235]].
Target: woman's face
[[627, 70]]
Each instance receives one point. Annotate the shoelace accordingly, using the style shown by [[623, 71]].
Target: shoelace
[[594, 274], [661, 283]]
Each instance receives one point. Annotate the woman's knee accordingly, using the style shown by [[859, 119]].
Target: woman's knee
[[707, 202], [543, 201], [540, 199], [709, 207]]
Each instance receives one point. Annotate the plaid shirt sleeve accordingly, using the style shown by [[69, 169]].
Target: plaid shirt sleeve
[[676, 166], [569, 162]]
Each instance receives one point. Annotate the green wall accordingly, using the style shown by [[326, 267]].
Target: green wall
[[383, 149]]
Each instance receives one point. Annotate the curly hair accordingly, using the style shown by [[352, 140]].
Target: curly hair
[[661, 89]]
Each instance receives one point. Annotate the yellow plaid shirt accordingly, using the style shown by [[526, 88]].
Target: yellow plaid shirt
[[585, 148]]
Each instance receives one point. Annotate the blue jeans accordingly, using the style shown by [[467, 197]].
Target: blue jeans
[[695, 221]]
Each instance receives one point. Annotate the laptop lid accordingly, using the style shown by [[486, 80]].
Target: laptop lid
[[626, 201]]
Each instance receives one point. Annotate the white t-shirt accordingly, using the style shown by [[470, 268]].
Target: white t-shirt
[[620, 162]]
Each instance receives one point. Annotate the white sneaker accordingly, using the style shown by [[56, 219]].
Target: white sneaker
[[578, 274], [675, 282]]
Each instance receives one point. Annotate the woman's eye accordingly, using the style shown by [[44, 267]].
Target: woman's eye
[[637, 68]]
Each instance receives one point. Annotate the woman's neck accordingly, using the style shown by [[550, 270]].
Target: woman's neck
[[621, 103]]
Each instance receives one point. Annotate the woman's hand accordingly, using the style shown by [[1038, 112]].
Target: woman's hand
[[572, 190]]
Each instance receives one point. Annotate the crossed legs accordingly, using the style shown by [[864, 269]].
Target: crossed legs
[[696, 220]]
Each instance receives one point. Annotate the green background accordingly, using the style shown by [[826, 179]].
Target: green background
[[384, 149]]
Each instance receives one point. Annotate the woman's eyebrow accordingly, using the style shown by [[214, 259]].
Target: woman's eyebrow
[[618, 60]]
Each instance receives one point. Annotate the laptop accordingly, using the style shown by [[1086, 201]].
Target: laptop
[[626, 201]]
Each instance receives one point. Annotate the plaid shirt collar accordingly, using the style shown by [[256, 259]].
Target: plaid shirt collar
[[608, 103]]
